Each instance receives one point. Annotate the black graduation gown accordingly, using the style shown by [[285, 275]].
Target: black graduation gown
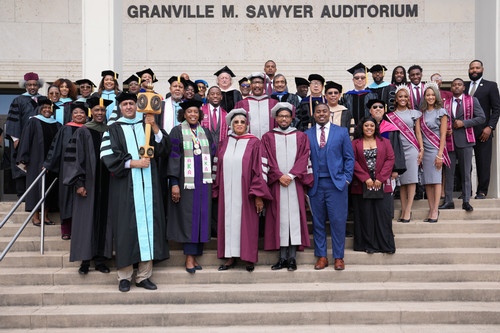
[[303, 115], [229, 99], [21, 109], [195, 205], [356, 103], [33, 147], [121, 200], [55, 163], [90, 231], [387, 94]]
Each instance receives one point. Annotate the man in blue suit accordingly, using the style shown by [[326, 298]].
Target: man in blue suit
[[332, 159]]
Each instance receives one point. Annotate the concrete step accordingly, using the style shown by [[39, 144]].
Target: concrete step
[[55, 243], [320, 313], [476, 203], [331, 292], [425, 256], [13, 276]]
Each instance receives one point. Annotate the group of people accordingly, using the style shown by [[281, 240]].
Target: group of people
[[232, 163]]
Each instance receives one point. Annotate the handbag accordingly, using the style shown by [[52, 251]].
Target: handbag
[[373, 194]]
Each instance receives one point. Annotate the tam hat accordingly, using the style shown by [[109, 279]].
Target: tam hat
[[178, 79], [82, 81], [190, 103], [234, 113], [333, 85], [224, 69], [110, 72], [31, 76], [132, 78], [256, 75], [148, 71], [373, 101], [316, 77], [94, 101], [300, 81], [126, 96], [280, 107]]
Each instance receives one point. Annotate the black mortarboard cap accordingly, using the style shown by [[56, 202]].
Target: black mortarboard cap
[[177, 78], [300, 81], [132, 78], [110, 72], [190, 103], [150, 72], [334, 85], [45, 101], [243, 80], [126, 96], [224, 69], [373, 101], [192, 84], [316, 77], [93, 101], [377, 68], [82, 81], [359, 68], [78, 105]]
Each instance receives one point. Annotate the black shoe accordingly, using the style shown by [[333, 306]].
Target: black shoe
[[292, 264], [447, 205], [250, 267], [84, 269], [225, 267], [282, 263], [191, 270], [467, 207], [124, 286], [102, 268], [370, 251], [147, 284], [198, 267], [461, 196], [480, 196]]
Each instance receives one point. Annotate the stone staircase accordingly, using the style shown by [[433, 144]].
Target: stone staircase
[[444, 277]]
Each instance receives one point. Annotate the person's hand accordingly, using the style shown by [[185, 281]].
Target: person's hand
[[485, 135], [394, 175], [82, 191], [420, 156], [369, 183], [438, 162], [377, 184], [176, 193], [149, 118], [259, 204], [285, 180], [16, 143], [458, 124], [142, 163]]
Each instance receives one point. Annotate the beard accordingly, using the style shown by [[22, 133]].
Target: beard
[[475, 76]]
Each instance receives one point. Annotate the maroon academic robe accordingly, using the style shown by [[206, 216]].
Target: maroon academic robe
[[245, 177], [302, 171], [259, 109]]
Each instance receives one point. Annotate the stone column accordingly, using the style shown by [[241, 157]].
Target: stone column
[[101, 38]]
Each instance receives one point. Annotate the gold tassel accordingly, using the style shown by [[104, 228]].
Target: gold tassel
[[90, 112], [101, 102]]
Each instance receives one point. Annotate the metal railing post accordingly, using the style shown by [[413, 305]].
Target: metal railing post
[[42, 218]]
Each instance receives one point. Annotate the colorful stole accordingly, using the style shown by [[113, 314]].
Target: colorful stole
[[142, 188], [386, 126], [434, 139], [412, 101], [311, 108], [468, 108], [45, 120], [187, 138], [74, 124], [403, 129], [207, 121]]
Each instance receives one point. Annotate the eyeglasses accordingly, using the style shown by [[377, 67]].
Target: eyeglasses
[[377, 106], [86, 86], [332, 93], [359, 77], [245, 85], [316, 83], [284, 116], [238, 122]]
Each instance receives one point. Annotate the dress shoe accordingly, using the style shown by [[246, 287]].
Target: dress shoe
[[339, 264], [447, 205], [250, 267], [191, 270], [480, 196], [467, 207], [292, 264], [321, 263], [102, 268], [461, 196], [225, 267], [84, 269], [147, 284], [198, 267], [124, 286], [282, 263], [370, 251]]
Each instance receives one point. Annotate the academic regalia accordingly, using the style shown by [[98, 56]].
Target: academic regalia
[[391, 132], [259, 110], [139, 228], [230, 98], [289, 98], [110, 96], [341, 116], [33, 147], [305, 112], [167, 119], [189, 219], [91, 234], [356, 102], [386, 92], [287, 152], [21, 110], [55, 163], [239, 180], [63, 114], [220, 131]]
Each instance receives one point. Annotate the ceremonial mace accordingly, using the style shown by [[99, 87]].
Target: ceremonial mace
[[148, 102]]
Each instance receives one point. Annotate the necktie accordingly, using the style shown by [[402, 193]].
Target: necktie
[[458, 100], [473, 88], [322, 139], [418, 97], [214, 118]]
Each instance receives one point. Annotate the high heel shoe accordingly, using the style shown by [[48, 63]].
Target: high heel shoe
[[433, 220], [406, 221]]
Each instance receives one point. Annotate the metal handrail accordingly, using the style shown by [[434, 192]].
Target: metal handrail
[[42, 222]]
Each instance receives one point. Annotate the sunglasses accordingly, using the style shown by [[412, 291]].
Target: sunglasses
[[85, 87], [359, 78], [245, 85], [377, 106], [238, 122]]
